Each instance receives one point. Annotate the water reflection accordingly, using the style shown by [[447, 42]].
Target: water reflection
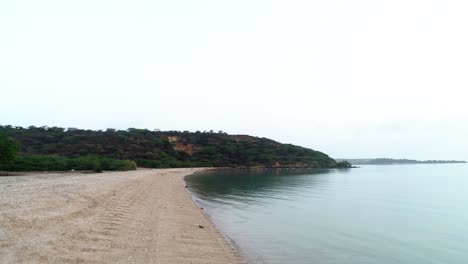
[[374, 214], [253, 181]]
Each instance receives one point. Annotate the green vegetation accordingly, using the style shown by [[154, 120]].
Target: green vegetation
[[343, 164], [52, 163], [8, 149], [165, 149]]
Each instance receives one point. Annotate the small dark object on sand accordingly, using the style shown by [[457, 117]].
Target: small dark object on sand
[[201, 208], [200, 226]]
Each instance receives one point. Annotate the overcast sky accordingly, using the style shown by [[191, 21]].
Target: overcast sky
[[361, 78]]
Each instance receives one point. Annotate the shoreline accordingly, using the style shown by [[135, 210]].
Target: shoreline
[[230, 241], [143, 216]]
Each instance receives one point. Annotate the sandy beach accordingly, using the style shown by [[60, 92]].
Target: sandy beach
[[143, 216]]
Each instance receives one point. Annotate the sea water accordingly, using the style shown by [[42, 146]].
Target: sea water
[[415, 214]]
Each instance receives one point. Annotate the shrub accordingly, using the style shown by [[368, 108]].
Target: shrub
[[8, 149], [54, 163], [343, 165]]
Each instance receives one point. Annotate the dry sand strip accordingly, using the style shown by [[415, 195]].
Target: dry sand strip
[[144, 216]]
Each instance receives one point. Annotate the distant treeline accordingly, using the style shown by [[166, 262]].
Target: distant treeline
[[387, 161], [159, 149]]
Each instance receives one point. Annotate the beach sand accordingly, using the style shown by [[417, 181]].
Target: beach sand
[[143, 216]]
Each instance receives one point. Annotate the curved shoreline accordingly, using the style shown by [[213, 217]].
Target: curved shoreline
[[142, 216], [230, 241]]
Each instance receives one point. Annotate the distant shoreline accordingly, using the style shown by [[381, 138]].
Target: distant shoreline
[[388, 161]]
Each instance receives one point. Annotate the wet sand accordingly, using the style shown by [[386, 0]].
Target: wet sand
[[143, 216]]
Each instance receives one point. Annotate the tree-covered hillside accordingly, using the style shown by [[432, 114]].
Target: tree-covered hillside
[[163, 149]]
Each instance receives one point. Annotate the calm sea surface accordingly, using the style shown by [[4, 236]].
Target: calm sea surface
[[415, 214]]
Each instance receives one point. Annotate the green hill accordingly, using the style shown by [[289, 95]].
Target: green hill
[[164, 149]]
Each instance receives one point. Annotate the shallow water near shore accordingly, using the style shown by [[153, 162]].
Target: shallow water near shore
[[373, 214]]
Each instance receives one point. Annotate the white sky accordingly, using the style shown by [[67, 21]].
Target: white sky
[[350, 78]]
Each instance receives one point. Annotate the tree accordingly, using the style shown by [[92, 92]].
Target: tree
[[343, 165], [153, 149], [8, 149]]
